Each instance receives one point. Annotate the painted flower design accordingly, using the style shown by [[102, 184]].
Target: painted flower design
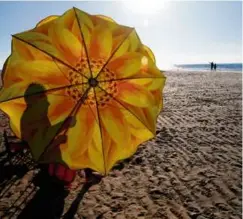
[[90, 68]]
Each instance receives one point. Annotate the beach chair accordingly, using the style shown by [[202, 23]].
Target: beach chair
[[14, 147]]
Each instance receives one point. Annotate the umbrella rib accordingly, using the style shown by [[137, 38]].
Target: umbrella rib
[[45, 91], [121, 79], [93, 114], [80, 102], [85, 47], [114, 53], [73, 111], [59, 95], [52, 56], [60, 70], [99, 119], [125, 107]]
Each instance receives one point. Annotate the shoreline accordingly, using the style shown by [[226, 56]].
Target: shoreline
[[201, 71]]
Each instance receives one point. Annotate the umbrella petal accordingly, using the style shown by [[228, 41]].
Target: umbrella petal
[[107, 143], [22, 49], [56, 42], [135, 42], [133, 59], [117, 136], [114, 124], [37, 119], [32, 50], [136, 99], [109, 130], [101, 43], [45, 72], [76, 30], [19, 74], [46, 20], [106, 40], [106, 18], [67, 19], [118, 151], [100, 47], [126, 65], [62, 35], [84, 139], [95, 150], [14, 110], [150, 83], [66, 42], [121, 48], [82, 28], [80, 137], [148, 52], [32, 36], [134, 94], [43, 25], [84, 18], [158, 97], [134, 65]]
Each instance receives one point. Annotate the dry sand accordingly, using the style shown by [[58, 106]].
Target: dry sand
[[192, 169]]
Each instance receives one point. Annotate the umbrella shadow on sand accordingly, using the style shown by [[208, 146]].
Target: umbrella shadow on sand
[[49, 200]]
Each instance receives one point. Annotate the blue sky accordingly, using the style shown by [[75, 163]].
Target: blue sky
[[178, 32]]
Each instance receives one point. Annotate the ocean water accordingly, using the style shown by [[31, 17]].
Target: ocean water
[[232, 67]]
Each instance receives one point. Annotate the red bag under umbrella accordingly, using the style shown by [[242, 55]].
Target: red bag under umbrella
[[62, 173]]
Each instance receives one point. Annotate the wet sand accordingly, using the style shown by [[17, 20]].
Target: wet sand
[[192, 169]]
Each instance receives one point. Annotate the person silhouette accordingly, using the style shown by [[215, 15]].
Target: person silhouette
[[38, 132], [36, 129], [215, 66], [212, 65], [35, 125]]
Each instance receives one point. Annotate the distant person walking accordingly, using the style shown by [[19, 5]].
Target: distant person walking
[[212, 65], [215, 66]]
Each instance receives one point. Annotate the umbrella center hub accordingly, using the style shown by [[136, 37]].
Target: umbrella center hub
[[93, 82]]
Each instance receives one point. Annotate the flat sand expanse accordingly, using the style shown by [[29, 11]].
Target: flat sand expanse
[[192, 169]]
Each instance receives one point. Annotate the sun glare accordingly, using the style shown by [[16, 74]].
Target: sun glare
[[144, 6]]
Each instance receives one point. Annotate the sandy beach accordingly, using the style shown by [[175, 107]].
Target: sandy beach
[[191, 169]]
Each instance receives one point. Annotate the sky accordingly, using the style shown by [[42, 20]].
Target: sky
[[178, 32]]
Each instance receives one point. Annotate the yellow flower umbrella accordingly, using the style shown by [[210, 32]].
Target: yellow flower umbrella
[[92, 69]]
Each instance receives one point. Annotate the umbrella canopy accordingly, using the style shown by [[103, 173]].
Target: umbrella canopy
[[82, 90]]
